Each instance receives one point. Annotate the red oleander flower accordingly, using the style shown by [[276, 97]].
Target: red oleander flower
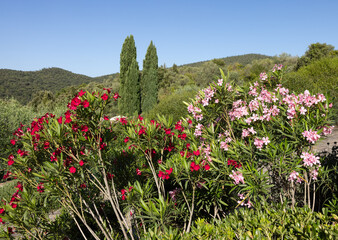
[[108, 90], [7, 175], [46, 145], [140, 118], [141, 131], [72, 169], [53, 158], [194, 167], [197, 153], [110, 176], [22, 153], [85, 103], [126, 139], [165, 175], [13, 141], [81, 163], [104, 97], [84, 128], [60, 120], [138, 171], [106, 118], [206, 167], [40, 188], [116, 96], [81, 93], [123, 121], [19, 186], [13, 205], [10, 160]]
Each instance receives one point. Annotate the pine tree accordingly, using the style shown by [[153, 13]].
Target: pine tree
[[149, 80], [132, 101], [128, 54]]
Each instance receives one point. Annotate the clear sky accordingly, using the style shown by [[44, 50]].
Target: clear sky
[[86, 36]]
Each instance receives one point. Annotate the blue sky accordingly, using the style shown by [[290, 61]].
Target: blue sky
[[86, 36]]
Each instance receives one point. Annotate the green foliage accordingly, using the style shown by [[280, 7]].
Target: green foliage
[[132, 101], [318, 76], [264, 222], [12, 113], [315, 52], [149, 79], [173, 106], [268, 222], [127, 57], [6, 189]]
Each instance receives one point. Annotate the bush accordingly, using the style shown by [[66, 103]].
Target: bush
[[173, 106], [319, 76], [237, 147]]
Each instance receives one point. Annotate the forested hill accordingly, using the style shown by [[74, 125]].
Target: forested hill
[[241, 59], [23, 84]]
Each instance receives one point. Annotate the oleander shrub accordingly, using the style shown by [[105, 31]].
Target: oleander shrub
[[120, 178]]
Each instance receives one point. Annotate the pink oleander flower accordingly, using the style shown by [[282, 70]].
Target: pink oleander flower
[[259, 143], [253, 105], [245, 133], [237, 176], [294, 176], [314, 174], [302, 110], [327, 130], [220, 82], [311, 136], [198, 130], [253, 91], [173, 193], [239, 112], [266, 140], [309, 159], [224, 146], [263, 76]]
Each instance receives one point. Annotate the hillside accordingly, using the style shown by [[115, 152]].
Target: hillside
[[23, 84], [241, 59]]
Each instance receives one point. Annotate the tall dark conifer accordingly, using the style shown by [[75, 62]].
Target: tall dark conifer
[[128, 81], [132, 101], [149, 80]]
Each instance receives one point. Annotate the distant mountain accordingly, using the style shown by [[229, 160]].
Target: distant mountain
[[241, 59], [23, 84]]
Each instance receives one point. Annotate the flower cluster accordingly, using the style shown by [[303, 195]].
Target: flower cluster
[[165, 175], [309, 159], [234, 163], [237, 176], [260, 142], [311, 136], [294, 176]]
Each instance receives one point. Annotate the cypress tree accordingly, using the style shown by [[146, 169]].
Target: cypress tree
[[128, 54], [149, 80], [132, 101]]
